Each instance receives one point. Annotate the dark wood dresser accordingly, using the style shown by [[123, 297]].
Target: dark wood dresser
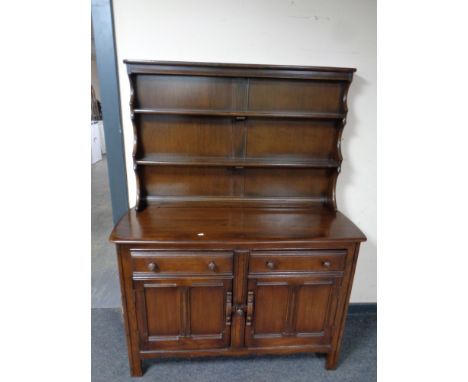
[[235, 245]]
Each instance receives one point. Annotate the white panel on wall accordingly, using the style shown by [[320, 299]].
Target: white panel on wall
[[288, 32], [95, 79]]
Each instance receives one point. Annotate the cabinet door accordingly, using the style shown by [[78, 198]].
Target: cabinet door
[[183, 313], [290, 310]]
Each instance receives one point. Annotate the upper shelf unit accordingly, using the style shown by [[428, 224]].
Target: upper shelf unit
[[235, 131]]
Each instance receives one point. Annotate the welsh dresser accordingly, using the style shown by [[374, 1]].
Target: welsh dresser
[[235, 245]]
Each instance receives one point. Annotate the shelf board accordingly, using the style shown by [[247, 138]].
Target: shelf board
[[242, 114], [157, 160]]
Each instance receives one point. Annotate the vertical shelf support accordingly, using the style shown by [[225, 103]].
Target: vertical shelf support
[[139, 205], [341, 125]]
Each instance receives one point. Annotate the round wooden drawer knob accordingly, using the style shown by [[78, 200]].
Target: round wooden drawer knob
[[271, 265], [212, 266], [152, 267], [327, 264]]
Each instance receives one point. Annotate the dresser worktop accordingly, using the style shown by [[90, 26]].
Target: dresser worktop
[[234, 225]]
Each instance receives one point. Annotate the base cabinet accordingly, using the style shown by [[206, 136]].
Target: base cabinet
[[197, 303]]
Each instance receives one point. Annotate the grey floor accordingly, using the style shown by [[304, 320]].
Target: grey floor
[[105, 289], [358, 361]]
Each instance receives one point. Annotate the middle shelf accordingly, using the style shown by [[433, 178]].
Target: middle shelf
[[242, 113], [165, 160]]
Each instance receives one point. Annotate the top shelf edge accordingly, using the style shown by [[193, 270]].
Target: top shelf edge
[[241, 65]]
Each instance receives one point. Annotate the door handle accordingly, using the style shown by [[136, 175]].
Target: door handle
[[228, 307], [250, 303], [240, 309]]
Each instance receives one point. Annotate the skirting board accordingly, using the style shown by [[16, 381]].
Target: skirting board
[[362, 308]]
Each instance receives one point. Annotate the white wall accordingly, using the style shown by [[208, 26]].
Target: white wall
[[297, 32]]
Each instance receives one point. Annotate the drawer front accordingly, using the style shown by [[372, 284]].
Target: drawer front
[[179, 262], [297, 261]]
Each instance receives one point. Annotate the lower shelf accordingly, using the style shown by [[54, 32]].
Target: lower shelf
[[148, 354]]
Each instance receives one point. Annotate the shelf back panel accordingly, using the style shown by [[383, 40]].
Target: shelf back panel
[[185, 136], [294, 95], [187, 92], [291, 139], [200, 181]]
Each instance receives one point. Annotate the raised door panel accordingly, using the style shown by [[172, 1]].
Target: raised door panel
[[271, 303], [291, 310], [312, 305], [184, 314], [207, 313], [162, 304]]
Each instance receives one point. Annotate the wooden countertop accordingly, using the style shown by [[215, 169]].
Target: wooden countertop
[[234, 225]]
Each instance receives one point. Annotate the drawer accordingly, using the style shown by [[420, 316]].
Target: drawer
[[180, 262], [297, 261]]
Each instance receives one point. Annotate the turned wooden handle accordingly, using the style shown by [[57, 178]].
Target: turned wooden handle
[[152, 267], [327, 263], [250, 303], [212, 265], [228, 307]]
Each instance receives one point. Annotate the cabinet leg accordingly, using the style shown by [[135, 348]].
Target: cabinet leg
[[332, 360], [136, 369]]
